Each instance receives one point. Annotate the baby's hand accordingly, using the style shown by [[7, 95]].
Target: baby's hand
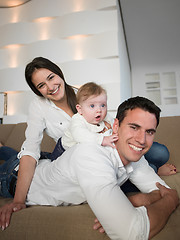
[[109, 140]]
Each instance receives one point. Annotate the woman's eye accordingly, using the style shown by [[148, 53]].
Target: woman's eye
[[92, 105], [40, 86], [51, 77]]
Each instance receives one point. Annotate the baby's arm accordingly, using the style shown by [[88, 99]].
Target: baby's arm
[[109, 140]]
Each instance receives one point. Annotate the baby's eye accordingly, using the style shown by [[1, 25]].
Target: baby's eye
[[103, 105], [92, 105]]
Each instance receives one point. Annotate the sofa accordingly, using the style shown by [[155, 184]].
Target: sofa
[[76, 222]]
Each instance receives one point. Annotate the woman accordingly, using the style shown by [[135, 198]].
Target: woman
[[51, 111]]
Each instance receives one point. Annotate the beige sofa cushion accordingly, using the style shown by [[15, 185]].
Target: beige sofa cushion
[[5, 131], [17, 136], [13, 135], [168, 133]]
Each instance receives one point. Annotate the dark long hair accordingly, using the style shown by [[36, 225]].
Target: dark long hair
[[40, 62]]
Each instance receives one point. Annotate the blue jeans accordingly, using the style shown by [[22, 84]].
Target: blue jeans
[[7, 173], [8, 176], [157, 156], [58, 151]]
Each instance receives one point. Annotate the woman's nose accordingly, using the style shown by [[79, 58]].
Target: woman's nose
[[49, 86]]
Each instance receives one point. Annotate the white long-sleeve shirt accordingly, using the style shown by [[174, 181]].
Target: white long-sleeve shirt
[[80, 131], [44, 115], [93, 173]]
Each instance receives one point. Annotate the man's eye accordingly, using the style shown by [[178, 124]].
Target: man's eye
[[133, 127], [92, 105], [150, 132]]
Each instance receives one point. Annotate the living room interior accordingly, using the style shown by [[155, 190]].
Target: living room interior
[[130, 47], [119, 44]]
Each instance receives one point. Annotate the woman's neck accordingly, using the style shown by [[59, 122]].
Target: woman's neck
[[62, 104]]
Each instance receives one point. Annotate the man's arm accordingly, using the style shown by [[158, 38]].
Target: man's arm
[[159, 211], [137, 200], [159, 203], [144, 199]]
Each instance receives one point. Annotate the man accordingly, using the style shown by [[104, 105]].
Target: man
[[93, 173]]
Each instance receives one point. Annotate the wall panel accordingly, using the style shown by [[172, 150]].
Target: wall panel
[[81, 36]]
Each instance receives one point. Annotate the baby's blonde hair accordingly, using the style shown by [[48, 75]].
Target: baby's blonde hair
[[87, 90]]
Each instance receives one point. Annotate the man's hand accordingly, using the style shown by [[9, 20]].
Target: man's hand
[[171, 193], [159, 211], [6, 212]]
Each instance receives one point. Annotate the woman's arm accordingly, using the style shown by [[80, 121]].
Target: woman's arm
[[25, 175]]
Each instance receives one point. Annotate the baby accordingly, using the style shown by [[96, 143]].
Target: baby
[[91, 123]]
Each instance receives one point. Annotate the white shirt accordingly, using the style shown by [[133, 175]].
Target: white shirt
[[93, 173], [44, 115], [80, 131]]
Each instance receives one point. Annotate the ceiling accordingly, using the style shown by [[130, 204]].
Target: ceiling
[[152, 32], [11, 3]]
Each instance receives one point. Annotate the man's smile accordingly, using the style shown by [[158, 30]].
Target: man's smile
[[138, 149]]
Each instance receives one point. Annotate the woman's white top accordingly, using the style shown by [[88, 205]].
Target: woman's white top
[[44, 115]]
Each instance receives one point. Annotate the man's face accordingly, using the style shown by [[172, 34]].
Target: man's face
[[136, 134]]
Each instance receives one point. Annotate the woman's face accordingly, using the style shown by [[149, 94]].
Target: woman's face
[[49, 84]]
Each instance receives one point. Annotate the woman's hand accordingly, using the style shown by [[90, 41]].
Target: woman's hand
[[98, 226], [6, 212]]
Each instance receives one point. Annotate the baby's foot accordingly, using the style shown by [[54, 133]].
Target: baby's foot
[[167, 170], [1, 144]]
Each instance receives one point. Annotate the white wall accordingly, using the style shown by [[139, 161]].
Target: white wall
[[153, 37], [84, 38], [1, 104]]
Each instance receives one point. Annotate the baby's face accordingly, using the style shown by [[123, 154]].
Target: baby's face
[[94, 109]]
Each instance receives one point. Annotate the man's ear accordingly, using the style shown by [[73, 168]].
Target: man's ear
[[115, 125], [78, 107]]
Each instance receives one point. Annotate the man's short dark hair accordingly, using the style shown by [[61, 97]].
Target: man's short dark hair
[[137, 102]]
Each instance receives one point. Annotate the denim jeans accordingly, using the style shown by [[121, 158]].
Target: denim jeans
[[6, 153], [157, 156], [58, 151], [7, 172]]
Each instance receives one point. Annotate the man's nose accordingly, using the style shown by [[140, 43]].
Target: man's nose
[[141, 137]]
